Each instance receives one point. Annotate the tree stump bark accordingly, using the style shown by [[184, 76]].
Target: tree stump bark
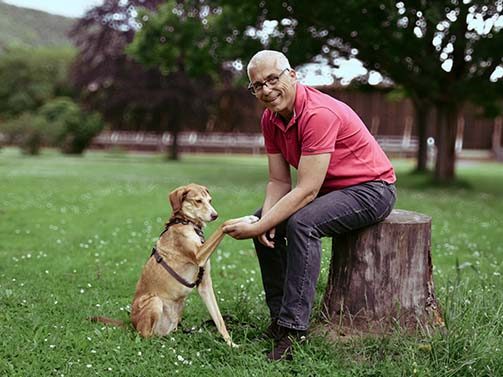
[[381, 277]]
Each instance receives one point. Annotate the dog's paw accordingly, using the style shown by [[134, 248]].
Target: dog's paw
[[231, 344], [250, 219], [245, 219]]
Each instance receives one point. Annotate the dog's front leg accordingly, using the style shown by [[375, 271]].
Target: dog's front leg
[[205, 251], [206, 292], [207, 248]]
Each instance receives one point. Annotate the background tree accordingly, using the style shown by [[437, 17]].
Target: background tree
[[124, 91], [68, 127], [432, 49], [27, 130], [29, 78], [174, 40], [194, 42]]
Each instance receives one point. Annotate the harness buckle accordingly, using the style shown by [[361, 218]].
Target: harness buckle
[[156, 255]]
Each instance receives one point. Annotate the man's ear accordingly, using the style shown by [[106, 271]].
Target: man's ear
[[293, 74], [177, 197]]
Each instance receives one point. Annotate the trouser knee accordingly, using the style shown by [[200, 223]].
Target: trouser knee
[[298, 224]]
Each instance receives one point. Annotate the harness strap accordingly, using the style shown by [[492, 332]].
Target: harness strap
[[159, 259]]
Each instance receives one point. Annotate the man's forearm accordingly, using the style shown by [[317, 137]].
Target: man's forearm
[[274, 192], [280, 203], [285, 207]]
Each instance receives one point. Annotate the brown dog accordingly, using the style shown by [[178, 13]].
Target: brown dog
[[179, 262]]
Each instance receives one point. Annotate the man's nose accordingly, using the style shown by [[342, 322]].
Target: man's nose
[[266, 90]]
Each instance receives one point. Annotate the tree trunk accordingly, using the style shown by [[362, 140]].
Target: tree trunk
[[496, 140], [174, 155], [446, 144], [421, 115], [174, 125], [381, 276]]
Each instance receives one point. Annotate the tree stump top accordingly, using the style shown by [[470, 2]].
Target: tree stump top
[[400, 216]]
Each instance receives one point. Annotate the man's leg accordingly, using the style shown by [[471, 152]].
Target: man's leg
[[272, 266], [334, 213]]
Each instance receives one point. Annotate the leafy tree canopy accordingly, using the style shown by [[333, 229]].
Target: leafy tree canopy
[[29, 78], [442, 53]]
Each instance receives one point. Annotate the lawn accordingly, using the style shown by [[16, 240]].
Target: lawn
[[75, 232]]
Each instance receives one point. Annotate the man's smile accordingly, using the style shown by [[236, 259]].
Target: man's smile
[[270, 100]]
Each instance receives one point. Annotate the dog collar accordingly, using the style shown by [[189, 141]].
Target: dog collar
[[178, 220]]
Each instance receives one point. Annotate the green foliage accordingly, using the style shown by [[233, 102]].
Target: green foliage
[[175, 38], [28, 28], [181, 40], [75, 233], [408, 42], [195, 37], [427, 47], [71, 129], [27, 130], [29, 78]]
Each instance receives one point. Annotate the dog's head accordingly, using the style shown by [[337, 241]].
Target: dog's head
[[193, 202]]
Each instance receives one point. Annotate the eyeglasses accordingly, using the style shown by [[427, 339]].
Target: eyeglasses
[[270, 82]]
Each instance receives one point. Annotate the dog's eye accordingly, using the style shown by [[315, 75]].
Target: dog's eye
[[199, 201]]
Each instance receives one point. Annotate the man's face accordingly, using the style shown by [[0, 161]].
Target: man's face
[[279, 97]]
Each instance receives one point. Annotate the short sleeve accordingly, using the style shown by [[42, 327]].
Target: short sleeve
[[319, 130]]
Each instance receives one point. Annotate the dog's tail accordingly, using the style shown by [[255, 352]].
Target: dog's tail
[[108, 321]]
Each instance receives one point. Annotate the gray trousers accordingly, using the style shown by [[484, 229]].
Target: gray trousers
[[290, 271]]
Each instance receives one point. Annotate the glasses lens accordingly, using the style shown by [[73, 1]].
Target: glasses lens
[[272, 81]]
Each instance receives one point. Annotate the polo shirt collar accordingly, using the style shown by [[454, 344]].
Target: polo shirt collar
[[298, 107]]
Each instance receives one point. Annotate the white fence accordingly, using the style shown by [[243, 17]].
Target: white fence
[[195, 141], [224, 142]]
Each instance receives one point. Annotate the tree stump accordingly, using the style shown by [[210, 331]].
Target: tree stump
[[381, 277]]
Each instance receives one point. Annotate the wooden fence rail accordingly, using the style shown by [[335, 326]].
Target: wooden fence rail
[[191, 141], [403, 146]]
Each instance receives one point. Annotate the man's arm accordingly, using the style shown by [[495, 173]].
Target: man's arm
[[280, 182], [311, 174]]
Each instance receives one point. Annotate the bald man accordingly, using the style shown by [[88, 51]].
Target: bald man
[[344, 182]]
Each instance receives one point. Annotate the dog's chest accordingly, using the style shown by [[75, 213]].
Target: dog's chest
[[194, 237]]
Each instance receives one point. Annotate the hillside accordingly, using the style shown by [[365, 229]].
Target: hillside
[[32, 28]]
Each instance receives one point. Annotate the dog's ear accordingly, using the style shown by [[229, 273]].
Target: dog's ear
[[177, 197]]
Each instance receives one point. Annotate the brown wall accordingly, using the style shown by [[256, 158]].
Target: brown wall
[[381, 115]]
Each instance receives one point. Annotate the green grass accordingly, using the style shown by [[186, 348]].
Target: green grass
[[75, 232]]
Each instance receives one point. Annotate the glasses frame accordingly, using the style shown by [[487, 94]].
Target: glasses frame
[[266, 82]]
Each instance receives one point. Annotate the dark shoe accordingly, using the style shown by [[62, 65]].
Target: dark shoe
[[272, 332], [283, 349]]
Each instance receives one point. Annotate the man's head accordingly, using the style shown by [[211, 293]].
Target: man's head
[[273, 81]]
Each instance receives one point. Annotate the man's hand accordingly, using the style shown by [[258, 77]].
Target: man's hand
[[242, 230], [267, 238]]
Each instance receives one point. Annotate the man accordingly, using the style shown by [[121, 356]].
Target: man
[[344, 182]]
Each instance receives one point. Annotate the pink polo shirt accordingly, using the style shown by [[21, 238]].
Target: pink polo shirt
[[322, 124]]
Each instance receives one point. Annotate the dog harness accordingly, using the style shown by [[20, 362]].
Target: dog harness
[[159, 259]]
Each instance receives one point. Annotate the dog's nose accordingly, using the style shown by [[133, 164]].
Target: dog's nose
[[214, 216]]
